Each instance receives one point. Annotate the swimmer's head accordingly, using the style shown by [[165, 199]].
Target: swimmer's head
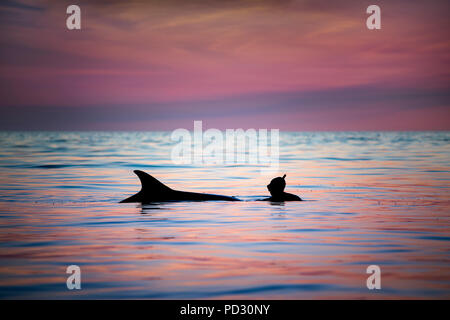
[[277, 185]]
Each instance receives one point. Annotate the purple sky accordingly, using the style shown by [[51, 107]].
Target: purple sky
[[292, 65]]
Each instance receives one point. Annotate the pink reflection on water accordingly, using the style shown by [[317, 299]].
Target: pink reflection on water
[[390, 209]]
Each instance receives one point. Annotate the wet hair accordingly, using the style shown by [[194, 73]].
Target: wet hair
[[277, 185]]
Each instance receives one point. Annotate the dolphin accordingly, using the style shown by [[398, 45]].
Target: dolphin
[[155, 191]]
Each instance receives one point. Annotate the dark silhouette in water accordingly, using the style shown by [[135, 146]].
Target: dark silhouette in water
[[276, 189], [155, 191]]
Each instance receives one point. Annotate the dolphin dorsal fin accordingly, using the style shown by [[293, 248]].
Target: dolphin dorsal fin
[[151, 184]]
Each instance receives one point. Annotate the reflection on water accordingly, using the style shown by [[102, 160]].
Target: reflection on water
[[372, 198]]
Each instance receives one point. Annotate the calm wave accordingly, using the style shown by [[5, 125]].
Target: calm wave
[[378, 198]]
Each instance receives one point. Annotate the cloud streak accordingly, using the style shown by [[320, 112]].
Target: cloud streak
[[182, 55]]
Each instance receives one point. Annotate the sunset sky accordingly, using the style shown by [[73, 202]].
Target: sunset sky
[[157, 65]]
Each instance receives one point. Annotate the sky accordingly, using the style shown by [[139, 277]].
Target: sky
[[159, 65]]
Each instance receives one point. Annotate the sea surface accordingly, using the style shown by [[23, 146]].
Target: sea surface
[[371, 198]]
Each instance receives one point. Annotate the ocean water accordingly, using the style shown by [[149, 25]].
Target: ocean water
[[372, 198]]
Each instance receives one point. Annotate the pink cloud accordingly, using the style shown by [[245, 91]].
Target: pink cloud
[[160, 53]]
